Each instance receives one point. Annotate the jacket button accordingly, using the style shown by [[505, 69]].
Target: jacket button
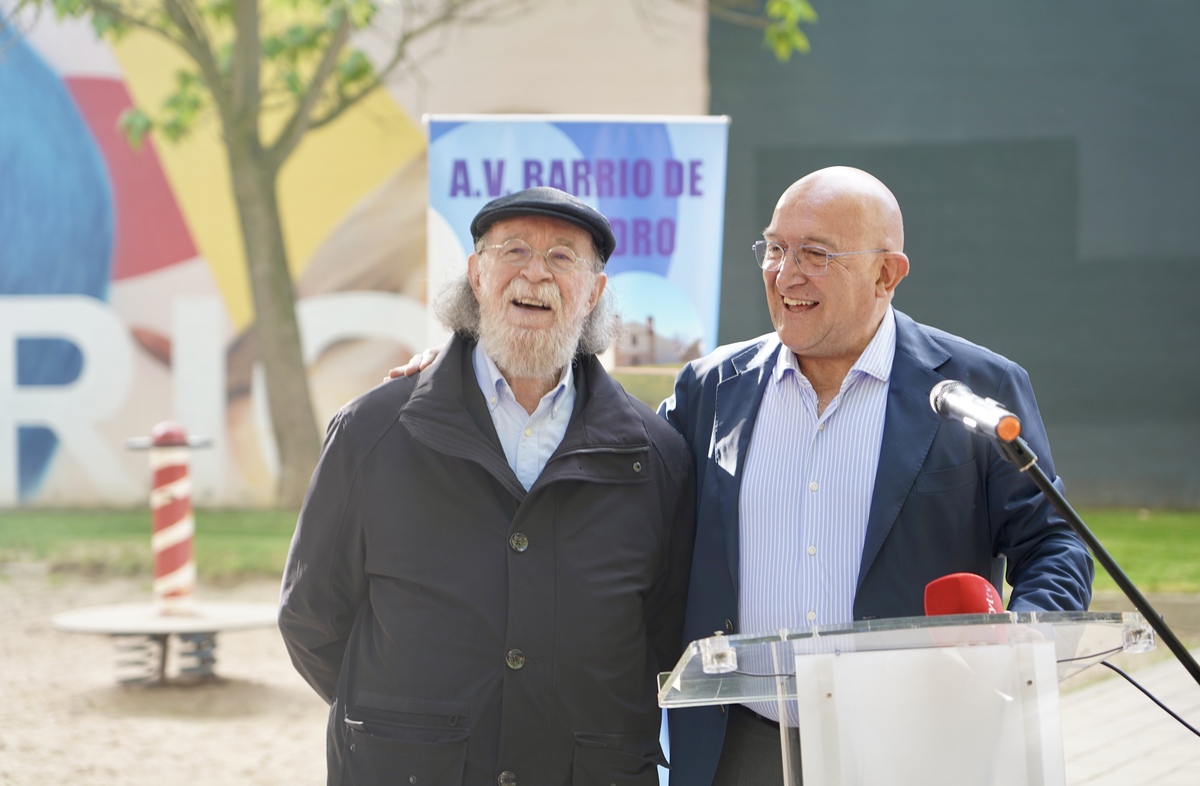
[[518, 541], [729, 625], [515, 660], [507, 778], [637, 466]]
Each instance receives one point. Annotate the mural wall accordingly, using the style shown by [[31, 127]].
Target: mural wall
[[123, 291]]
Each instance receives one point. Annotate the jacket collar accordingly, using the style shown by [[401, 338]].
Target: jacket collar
[[909, 427], [447, 410]]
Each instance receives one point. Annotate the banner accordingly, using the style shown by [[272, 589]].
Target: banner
[[660, 181]]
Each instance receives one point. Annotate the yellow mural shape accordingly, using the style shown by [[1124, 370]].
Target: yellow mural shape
[[332, 169]]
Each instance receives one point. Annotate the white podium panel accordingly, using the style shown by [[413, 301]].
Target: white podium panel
[[931, 717]]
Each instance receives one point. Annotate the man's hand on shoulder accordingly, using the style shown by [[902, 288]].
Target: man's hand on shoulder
[[415, 364]]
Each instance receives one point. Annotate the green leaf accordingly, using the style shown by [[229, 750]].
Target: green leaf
[[362, 12], [294, 85], [792, 12], [784, 36], [70, 8], [356, 67], [107, 25], [299, 37], [174, 129], [220, 10], [271, 47], [135, 124]]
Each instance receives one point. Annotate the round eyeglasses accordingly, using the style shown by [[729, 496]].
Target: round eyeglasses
[[518, 253], [812, 260]]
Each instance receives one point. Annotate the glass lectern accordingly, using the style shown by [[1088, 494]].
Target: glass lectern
[[958, 700]]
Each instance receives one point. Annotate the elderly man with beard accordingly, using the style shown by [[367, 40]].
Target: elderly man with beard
[[491, 564]]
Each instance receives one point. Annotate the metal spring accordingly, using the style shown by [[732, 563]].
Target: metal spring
[[197, 655], [141, 660]]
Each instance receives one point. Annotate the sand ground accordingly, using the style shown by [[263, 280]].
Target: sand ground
[[65, 719]]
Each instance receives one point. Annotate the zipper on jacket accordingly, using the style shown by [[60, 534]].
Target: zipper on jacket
[[579, 451]]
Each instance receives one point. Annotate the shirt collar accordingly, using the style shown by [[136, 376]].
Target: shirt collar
[[496, 388], [875, 360]]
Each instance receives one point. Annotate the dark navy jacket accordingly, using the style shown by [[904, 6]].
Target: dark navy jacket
[[469, 632], [945, 501]]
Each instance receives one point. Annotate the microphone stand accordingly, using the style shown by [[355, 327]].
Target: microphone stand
[[1018, 453]]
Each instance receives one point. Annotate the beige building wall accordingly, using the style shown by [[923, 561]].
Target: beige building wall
[[562, 56]]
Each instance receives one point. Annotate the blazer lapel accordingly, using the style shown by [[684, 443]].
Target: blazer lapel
[[908, 430], [737, 400]]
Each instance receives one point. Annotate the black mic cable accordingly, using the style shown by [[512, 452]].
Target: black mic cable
[[1153, 698]]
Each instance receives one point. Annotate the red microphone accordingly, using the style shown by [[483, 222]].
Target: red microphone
[[962, 593]]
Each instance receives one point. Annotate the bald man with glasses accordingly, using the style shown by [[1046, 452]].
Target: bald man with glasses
[[829, 491]]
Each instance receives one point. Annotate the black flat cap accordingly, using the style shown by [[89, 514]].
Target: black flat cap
[[551, 203]]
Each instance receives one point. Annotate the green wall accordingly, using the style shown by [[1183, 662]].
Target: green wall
[[1046, 156]]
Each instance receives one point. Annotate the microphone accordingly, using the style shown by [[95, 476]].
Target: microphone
[[953, 400], [962, 593]]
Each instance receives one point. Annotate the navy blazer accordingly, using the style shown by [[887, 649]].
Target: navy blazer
[[945, 501]]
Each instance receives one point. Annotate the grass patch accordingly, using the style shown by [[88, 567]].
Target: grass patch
[[229, 544], [1159, 550], [649, 384]]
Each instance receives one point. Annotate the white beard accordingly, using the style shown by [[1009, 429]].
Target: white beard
[[530, 353]]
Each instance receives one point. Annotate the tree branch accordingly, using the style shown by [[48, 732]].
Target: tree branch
[[127, 16], [300, 122], [245, 68], [718, 11], [451, 10], [195, 42]]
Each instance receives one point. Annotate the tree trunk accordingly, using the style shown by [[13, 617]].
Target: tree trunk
[[276, 330]]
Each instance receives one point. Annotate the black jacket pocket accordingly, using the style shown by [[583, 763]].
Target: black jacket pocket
[[374, 760], [393, 739]]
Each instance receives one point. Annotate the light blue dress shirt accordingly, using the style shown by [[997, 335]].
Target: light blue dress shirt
[[528, 439], [806, 494]]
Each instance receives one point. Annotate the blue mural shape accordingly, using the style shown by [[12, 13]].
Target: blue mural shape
[[57, 223]]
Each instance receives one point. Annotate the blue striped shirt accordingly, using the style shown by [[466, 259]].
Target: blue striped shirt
[[806, 494], [528, 439]]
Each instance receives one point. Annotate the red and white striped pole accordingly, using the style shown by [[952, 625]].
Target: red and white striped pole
[[174, 527], [171, 512]]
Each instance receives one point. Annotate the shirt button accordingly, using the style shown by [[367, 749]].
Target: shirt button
[[812, 549], [821, 426], [812, 486], [529, 432], [507, 778], [518, 541], [515, 660], [812, 615]]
